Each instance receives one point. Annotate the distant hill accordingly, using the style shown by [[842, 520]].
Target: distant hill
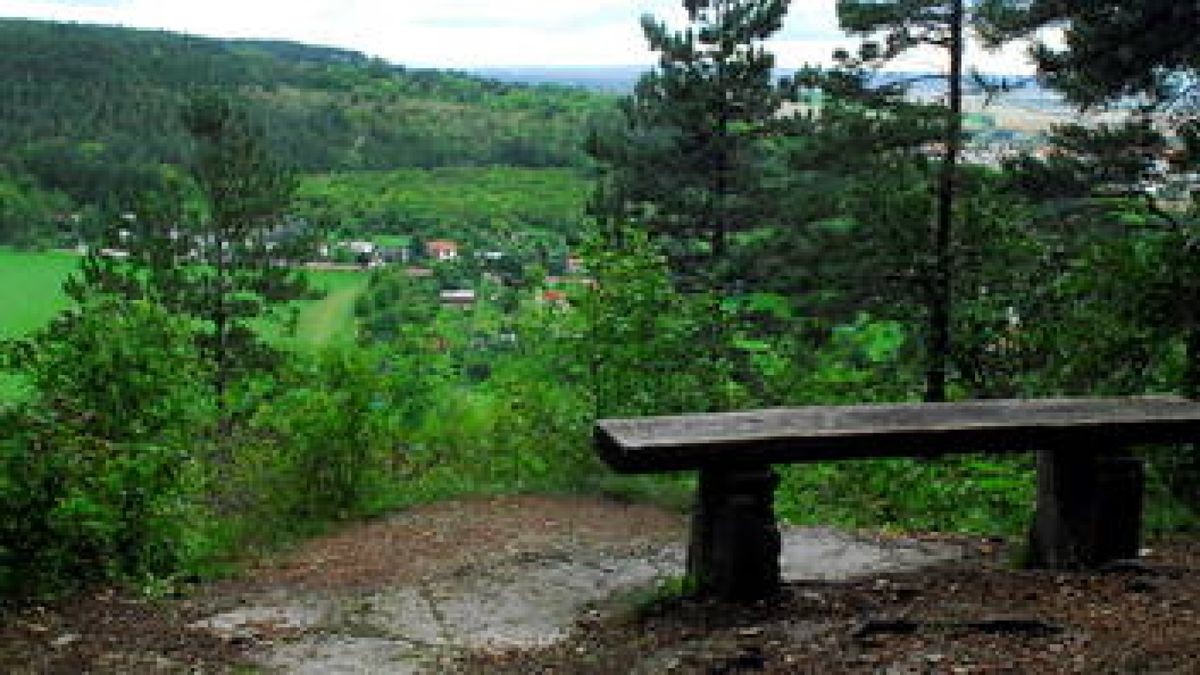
[[1022, 90], [610, 79], [93, 110]]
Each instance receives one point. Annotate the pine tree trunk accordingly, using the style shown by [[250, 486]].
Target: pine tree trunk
[[940, 295], [1191, 383], [221, 346]]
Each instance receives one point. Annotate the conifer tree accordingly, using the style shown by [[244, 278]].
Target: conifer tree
[[903, 25], [1113, 48], [208, 245], [1142, 52], [688, 162]]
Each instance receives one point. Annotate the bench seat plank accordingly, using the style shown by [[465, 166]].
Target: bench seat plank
[[817, 433]]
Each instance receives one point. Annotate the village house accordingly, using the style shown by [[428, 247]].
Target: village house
[[463, 298], [554, 298], [394, 254], [574, 265], [441, 250], [360, 247]]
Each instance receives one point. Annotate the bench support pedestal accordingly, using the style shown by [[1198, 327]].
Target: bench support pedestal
[[735, 543], [1089, 509]]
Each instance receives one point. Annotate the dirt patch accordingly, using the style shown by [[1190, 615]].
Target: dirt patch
[[429, 540], [489, 576], [413, 591], [972, 616], [109, 631], [320, 599], [547, 584]]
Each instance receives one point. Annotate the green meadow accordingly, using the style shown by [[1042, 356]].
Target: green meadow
[[31, 289], [329, 320], [31, 295]]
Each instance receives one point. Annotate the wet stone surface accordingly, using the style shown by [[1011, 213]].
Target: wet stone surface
[[530, 598]]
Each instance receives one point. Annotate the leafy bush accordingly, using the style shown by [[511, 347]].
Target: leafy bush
[[323, 444], [653, 350], [77, 508], [970, 494], [98, 477], [117, 370]]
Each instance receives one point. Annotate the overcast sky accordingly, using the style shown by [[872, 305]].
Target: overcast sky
[[469, 33]]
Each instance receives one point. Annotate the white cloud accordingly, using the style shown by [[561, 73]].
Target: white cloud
[[462, 33]]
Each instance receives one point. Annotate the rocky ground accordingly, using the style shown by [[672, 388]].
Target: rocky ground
[[576, 585]]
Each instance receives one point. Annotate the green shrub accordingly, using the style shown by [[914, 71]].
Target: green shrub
[[117, 370], [98, 476], [77, 508], [325, 443], [986, 495]]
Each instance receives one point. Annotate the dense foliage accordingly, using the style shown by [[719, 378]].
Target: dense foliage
[[741, 256], [496, 206], [98, 470], [1113, 48], [688, 161], [92, 111], [28, 213], [222, 266]]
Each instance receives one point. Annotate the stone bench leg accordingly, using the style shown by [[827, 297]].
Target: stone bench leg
[[734, 549], [1089, 509]]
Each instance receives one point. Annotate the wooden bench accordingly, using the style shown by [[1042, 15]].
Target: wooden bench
[[1089, 487]]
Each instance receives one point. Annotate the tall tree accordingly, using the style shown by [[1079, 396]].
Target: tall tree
[[1112, 48], [905, 24], [687, 162], [213, 245], [861, 183], [858, 186], [1144, 52]]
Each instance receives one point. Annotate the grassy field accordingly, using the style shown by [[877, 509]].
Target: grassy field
[[330, 320], [31, 294], [31, 289]]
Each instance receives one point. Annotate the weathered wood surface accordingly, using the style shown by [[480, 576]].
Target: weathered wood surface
[[787, 435]]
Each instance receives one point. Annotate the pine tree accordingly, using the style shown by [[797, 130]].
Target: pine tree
[[858, 185], [905, 24], [688, 162], [212, 245], [1143, 51], [861, 180], [1114, 48]]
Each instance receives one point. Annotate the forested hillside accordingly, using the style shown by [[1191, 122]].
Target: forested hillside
[[93, 111]]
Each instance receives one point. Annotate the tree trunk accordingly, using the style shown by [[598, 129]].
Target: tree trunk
[[1192, 375], [940, 296]]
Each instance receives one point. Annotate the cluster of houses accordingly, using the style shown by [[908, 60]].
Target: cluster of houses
[[370, 255], [554, 290], [420, 260], [1165, 178]]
